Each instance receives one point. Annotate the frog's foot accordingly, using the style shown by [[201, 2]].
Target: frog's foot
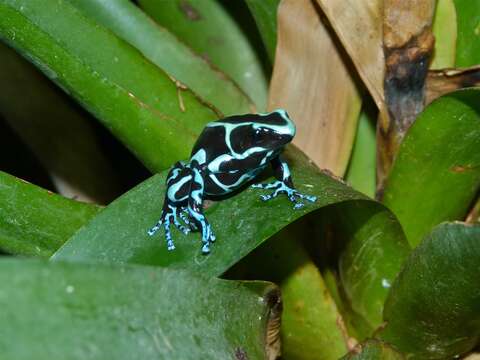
[[184, 215], [169, 216], [207, 234], [282, 188]]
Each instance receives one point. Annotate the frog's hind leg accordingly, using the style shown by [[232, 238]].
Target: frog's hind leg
[[184, 215], [195, 209]]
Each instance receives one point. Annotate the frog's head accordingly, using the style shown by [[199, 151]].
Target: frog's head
[[273, 130]]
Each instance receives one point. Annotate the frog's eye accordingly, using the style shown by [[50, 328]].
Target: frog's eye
[[264, 136]]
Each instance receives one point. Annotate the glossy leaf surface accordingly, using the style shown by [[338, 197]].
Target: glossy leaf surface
[[139, 103], [265, 15], [361, 169], [437, 170], [312, 327], [468, 40], [61, 136], [241, 223], [34, 221], [445, 32], [128, 312], [162, 48], [212, 31], [433, 309]]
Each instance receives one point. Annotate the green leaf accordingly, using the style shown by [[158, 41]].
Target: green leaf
[[139, 103], [445, 32], [34, 221], [241, 223], [312, 327], [437, 170], [129, 312], [433, 309], [468, 38], [61, 137], [209, 29], [369, 262], [162, 48], [373, 349], [265, 14], [361, 169]]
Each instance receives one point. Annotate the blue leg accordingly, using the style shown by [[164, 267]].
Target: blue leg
[[195, 209], [284, 185], [184, 216]]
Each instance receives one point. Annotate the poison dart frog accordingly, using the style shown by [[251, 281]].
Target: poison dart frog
[[228, 153]]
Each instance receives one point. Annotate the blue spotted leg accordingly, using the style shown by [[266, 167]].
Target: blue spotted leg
[[169, 215], [284, 185], [195, 209], [174, 205]]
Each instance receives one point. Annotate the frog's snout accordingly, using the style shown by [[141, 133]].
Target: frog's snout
[[288, 129]]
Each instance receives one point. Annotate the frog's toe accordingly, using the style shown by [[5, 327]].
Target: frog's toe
[[168, 234], [266, 197], [180, 226], [273, 185], [206, 249], [187, 221], [298, 205], [155, 228], [310, 198]]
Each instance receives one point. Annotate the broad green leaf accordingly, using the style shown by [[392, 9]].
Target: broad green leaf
[[60, 136], [433, 309], [468, 38], [162, 48], [139, 103], [373, 350], [364, 227], [437, 170], [34, 221], [361, 169], [312, 327], [209, 29], [241, 223], [445, 31], [265, 14], [79, 311]]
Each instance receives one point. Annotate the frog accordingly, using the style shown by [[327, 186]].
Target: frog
[[228, 154]]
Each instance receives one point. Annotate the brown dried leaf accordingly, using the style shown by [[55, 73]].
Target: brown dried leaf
[[408, 46], [312, 80], [441, 82], [358, 25]]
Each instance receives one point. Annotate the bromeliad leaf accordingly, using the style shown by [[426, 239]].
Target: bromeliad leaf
[[139, 103], [265, 15], [162, 48], [432, 311], [436, 174], [34, 221], [131, 312], [241, 223], [61, 137], [468, 46], [209, 29]]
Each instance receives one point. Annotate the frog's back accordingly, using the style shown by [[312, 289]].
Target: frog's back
[[225, 136]]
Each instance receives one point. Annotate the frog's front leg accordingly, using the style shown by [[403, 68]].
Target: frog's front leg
[[195, 209], [284, 184]]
